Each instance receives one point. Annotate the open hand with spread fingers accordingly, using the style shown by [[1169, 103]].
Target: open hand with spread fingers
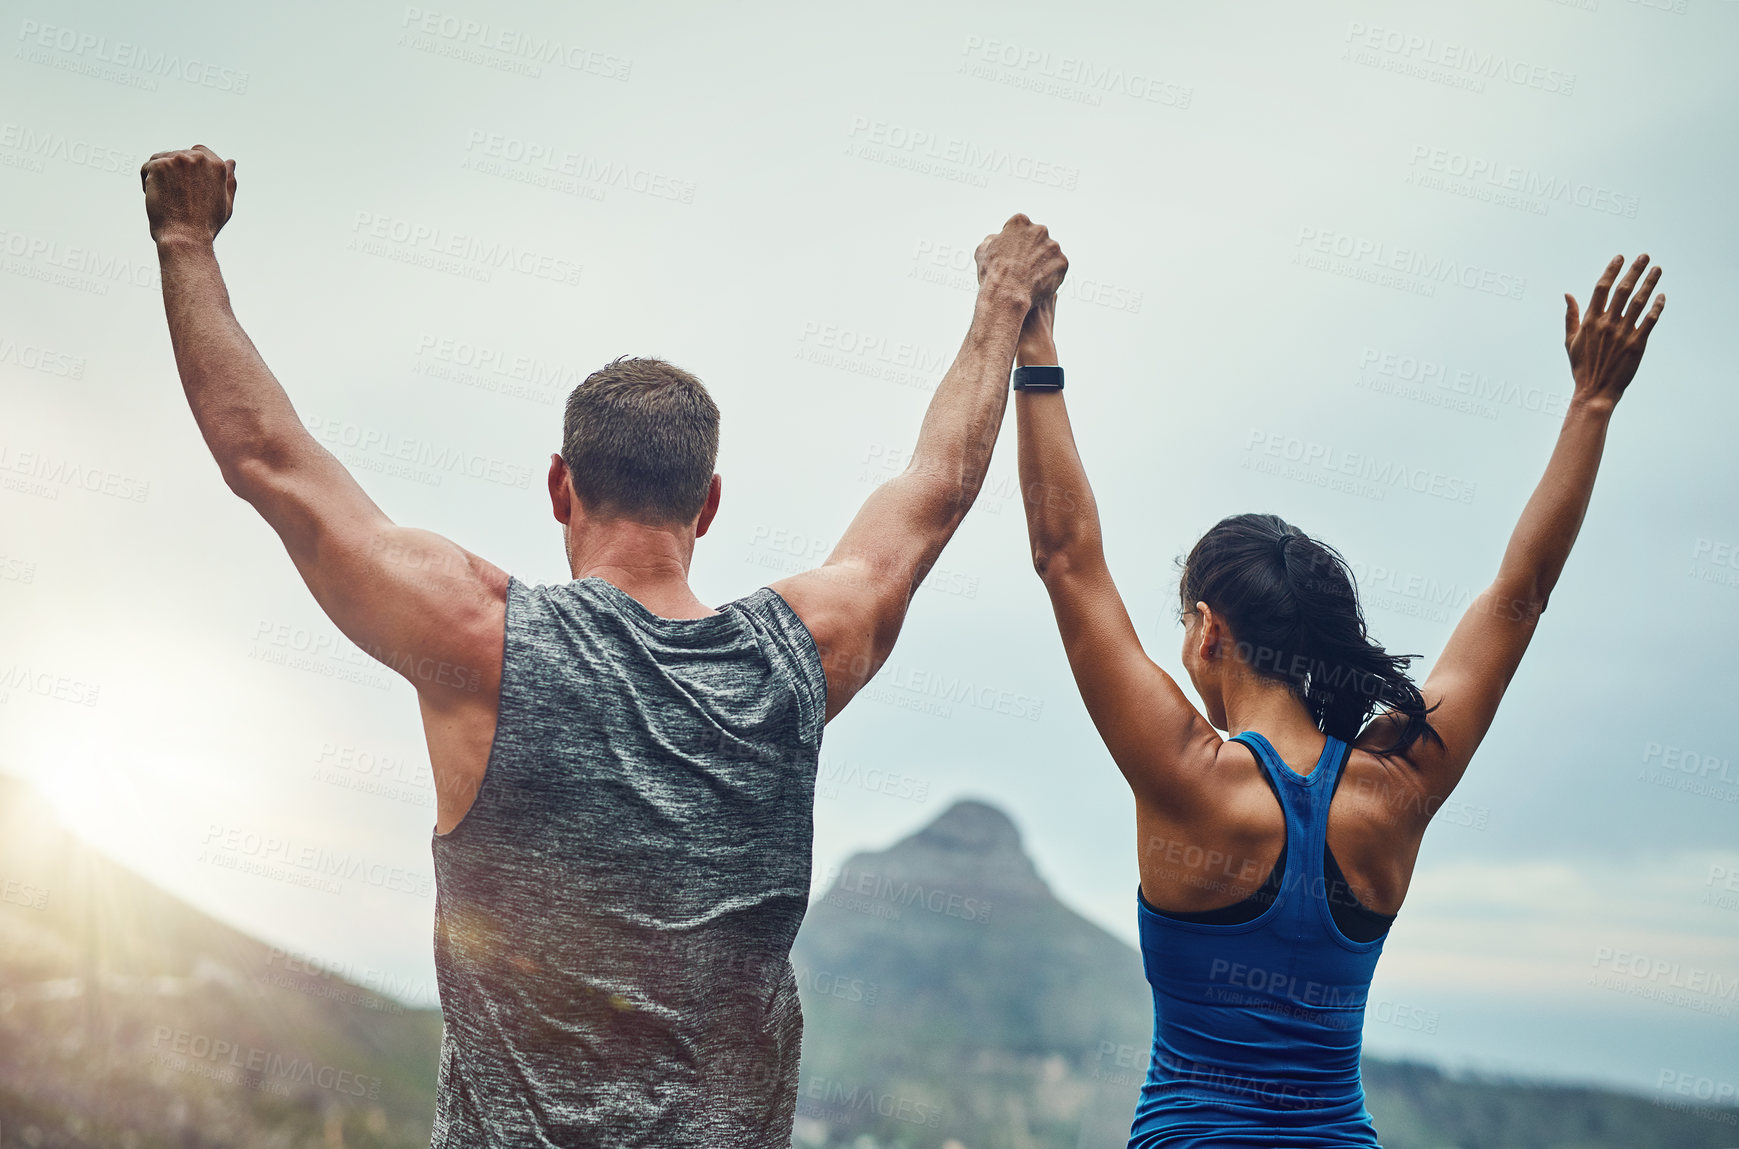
[[1607, 343]]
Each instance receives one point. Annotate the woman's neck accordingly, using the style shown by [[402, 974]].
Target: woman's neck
[[1271, 709]]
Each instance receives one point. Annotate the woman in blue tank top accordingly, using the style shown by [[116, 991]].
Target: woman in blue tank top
[[1272, 862]]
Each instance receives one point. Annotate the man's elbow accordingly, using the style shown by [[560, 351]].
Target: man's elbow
[[251, 477], [951, 486], [242, 477]]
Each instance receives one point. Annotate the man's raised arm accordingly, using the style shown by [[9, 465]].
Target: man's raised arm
[[421, 604], [855, 603]]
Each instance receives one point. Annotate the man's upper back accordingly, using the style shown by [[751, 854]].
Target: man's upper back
[[616, 908]]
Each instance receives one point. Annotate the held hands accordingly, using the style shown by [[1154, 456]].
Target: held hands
[[188, 194], [1606, 344], [1021, 261]]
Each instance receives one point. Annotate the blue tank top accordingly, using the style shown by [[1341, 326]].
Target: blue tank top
[[1257, 1026]]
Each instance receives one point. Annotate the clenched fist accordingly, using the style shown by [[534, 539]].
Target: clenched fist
[[188, 194], [1023, 260]]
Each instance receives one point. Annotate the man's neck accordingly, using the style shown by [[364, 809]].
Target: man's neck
[[647, 563]]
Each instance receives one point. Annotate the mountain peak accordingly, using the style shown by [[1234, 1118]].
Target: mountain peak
[[971, 846], [972, 827]]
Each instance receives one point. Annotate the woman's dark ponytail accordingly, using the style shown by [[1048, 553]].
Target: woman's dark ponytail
[[1292, 605]]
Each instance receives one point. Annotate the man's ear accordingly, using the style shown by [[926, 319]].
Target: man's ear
[[710, 509], [560, 492]]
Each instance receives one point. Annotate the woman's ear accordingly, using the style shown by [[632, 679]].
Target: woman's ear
[[1211, 634]]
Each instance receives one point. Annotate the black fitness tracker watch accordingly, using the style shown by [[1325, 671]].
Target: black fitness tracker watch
[[1038, 379]]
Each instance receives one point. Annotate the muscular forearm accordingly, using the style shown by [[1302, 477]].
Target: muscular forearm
[[241, 410], [965, 414], [1541, 542]]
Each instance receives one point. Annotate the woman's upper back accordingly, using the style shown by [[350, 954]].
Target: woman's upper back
[[1218, 849], [1258, 1021]]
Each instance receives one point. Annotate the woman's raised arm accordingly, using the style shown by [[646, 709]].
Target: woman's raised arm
[[1147, 724], [1467, 683]]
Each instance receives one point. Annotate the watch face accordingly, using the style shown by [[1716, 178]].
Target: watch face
[[1038, 378]]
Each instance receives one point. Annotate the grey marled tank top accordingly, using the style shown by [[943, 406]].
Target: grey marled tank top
[[614, 915]]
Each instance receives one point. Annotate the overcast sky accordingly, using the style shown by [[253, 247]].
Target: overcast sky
[[1305, 240]]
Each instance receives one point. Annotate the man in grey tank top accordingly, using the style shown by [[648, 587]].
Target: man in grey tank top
[[624, 775]]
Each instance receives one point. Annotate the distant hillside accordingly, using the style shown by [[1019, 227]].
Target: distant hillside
[[951, 1000], [131, 1020]]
